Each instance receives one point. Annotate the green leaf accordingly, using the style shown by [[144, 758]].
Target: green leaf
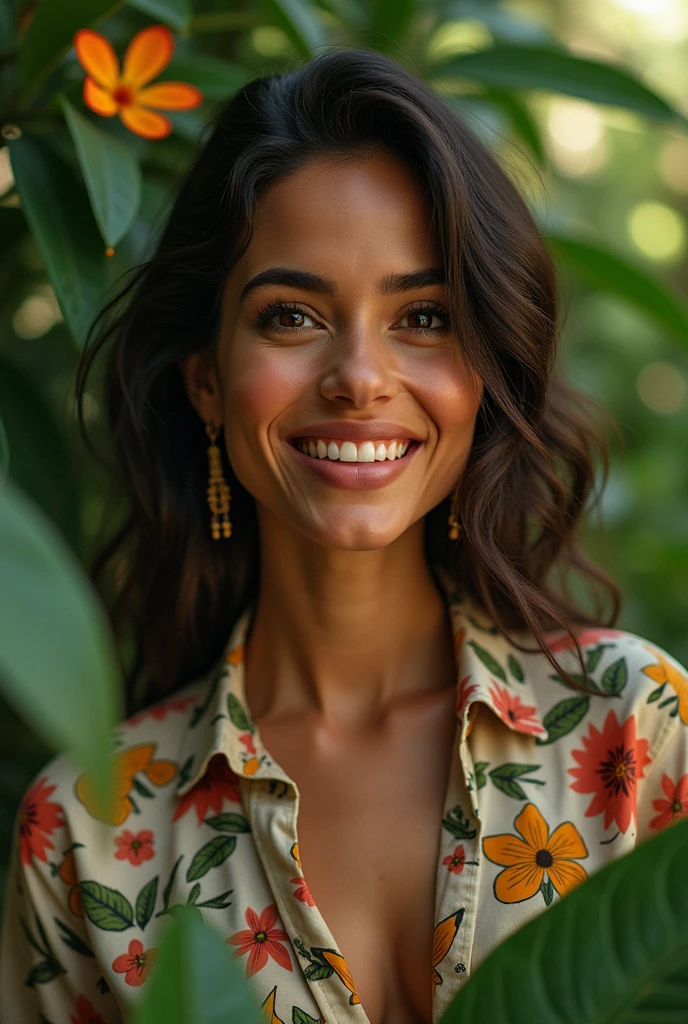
[[193, 894], [389, 21], [111, 173], [167, 891], [516, 669], [301, 1017], [556, 70], [615, 677], [605, 270], [505, 775], [522, 121], [145, 902], [142, 790], [62, 225], [218, 902], [51, 32], [613, 950], [594, 657], [318, 972], [488, 661], [52, 626], [237, 714], [458, 824], [106, 908], [302, 23], [228, 822], [216, 78], [175, 13], [196, 980], [74, 941], [563, 717], [44, 971], [480, 779], [4, 452], [547, 890], [210, 856], [656, 694]]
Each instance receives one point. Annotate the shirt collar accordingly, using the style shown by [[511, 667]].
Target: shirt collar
[[489, 671]]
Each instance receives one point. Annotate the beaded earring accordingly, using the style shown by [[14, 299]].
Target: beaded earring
[[454, 525], [218, 490]]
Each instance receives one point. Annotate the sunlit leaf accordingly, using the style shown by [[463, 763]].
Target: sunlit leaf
[[57, 661], [614, 950], [302, 23], [522, 121], [604, 269], [50, 34], [62, 224], [195, 979], [111, 173], [556, 70], [175, 13]]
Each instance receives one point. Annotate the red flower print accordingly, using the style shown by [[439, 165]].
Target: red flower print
[[609, 766], [464, 694], [261, 941], [161, 711], [247, 739], [136, 963], [85, 1013], [585, 639], [514, 712], [218, 783], [456, 860], [38, 819], [134, 847], [302, 892], [676, 803]]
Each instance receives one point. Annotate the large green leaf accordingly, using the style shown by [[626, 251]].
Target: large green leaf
[[614, 951], [50, 35], [175, 13], [554, 69], [389, 21], [216, 78], [57, 662], [604, 269], [302, 23], [195, 979], [522, 121], [4, 452], [111, 173], [62, 224]]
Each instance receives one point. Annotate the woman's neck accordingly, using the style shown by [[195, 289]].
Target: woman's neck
[[344, 634]]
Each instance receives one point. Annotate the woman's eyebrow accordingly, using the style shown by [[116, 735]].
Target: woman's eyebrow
[[389, 285]]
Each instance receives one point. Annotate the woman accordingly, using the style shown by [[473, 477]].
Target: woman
[[382, 738]]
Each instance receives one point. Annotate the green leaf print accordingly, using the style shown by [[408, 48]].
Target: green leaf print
[[458, 825], [193, 895], [106, 908], [594, 656], [74, 941], [318, 972], [656, 694], [44, 971], [480, 779], [504, 778], [167, 891], [563, 718], [488, 661], [218, 902], [301, 1017], [141, 789], [516, 669], [237, 714], [210, 856], [585, 681], [547, 890], [145, 902], [615, 677], [228, 822]]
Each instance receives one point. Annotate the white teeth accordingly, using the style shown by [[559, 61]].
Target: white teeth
[[392, 451], [366, 453], [321, 448], [380, 453], [333, 450], [312, 450], [348, 451]]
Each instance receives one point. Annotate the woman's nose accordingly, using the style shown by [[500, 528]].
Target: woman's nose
[[360, 368]]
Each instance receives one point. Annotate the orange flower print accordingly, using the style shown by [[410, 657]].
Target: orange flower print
[[108, 92], [464, 694], [677, 680], [456, 861], [261, 940], [67, 872], [443, 937], [268, 1008], [514, 712], [609, 766], [536, 853], [302, 892], [588, 637], [676, 803], [38, 819], [134, 847], [85, 1012], [219, 783], [127, 764], [341, 969], [135, 964]]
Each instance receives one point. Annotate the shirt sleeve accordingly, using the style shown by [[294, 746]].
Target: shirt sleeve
[[48, 971]]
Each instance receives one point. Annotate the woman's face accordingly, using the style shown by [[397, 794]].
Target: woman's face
[[334, 336]]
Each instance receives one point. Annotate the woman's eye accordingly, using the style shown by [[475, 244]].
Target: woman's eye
[[423, 320], [293, 318]]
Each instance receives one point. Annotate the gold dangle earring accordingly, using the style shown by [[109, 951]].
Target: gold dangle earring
[[218, 490], [454, 525]]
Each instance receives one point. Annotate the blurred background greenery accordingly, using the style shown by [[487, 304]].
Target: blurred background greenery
[[606, 173]]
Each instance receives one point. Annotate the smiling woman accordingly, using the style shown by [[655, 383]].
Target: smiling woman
[[376, 650]]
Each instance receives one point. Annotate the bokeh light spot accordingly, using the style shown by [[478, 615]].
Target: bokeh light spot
[[662, 388], [657, 231]]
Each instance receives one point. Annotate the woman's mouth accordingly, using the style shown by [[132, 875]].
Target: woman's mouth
[[350, 465], [350, 451]]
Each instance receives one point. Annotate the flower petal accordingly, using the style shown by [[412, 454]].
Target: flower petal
[[532, 827], [518, 883], [97, 99], [279, 953], [257, 959], [444, 935], [566, 841], [96, 56], [170, 96], [507, 850], [566, 875], [146, 123], [147, 54]]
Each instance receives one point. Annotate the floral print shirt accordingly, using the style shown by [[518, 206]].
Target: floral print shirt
[[547, 784]]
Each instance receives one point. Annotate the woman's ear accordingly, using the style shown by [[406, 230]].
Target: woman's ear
[[202, 382]]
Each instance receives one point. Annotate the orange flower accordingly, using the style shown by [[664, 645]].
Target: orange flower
[[512, 710], [217, 784], [107, 91], [667, 673], [444, 935], [127, 764], [261, 940], [341, 969], [136, 963], [676, 803], [268, 1008], [526, 860], [38, 819], [68, 873], [302, 892]]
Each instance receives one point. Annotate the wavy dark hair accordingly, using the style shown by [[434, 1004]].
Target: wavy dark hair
[[537, 446]]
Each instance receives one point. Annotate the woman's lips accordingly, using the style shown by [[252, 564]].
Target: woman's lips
[[357, 476]]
